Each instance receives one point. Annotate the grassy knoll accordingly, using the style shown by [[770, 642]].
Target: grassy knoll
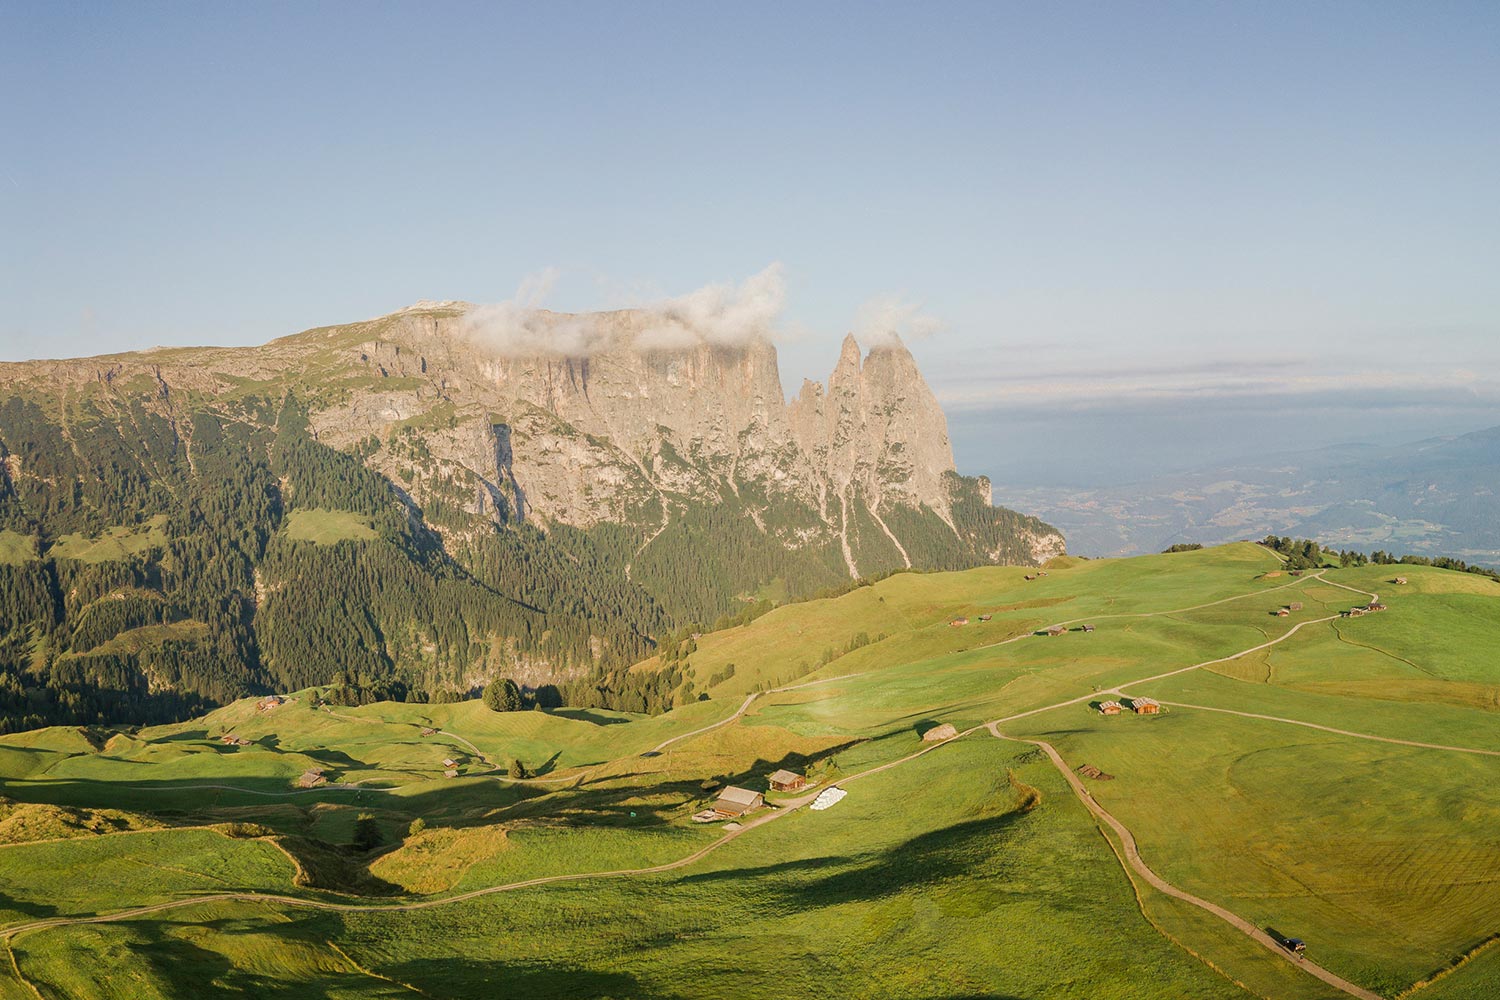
[[103, 873], [113, 544], [913, 611], [326, 527]]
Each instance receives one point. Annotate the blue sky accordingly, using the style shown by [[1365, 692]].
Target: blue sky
[[1123, 219]]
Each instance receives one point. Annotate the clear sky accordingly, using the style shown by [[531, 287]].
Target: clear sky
[[1139, 228]]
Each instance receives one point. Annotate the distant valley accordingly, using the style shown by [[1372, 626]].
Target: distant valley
[[1431, 497]]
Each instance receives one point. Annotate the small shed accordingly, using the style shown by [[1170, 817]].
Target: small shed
[[938, 734], [985, 618], [449, 762], [1057, 629], [735, 801], [1110, 708], [1145, 706], [1087, 628], [451, 772], [1400, 581], [428, 731], [1281, 612], [312, 778], [958, 622], [786, 781], [1294, 606]]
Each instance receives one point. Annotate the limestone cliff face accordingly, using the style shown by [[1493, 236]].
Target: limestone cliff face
[[602, 418]]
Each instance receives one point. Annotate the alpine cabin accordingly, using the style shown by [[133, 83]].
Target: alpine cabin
[[786, 781]]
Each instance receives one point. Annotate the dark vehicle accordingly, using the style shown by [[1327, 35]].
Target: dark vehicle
[[1296, 946]]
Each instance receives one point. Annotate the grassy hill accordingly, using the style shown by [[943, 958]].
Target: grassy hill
[[1331, 778]]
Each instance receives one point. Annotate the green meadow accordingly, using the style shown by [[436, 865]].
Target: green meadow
[[962, 869]]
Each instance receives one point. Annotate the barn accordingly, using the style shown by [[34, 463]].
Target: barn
[[734, 801]]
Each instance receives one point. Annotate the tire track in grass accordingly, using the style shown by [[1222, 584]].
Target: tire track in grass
[[1132, 856]]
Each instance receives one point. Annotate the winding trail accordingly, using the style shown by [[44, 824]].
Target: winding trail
[[1132, 857], [1331, 729]]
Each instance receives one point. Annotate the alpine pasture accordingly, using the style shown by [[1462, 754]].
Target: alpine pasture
[[1314, 776]]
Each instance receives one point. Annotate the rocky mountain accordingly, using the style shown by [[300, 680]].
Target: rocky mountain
[[422, 501]]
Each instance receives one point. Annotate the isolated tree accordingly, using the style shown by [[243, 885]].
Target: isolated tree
[[502, 695], [366, 833], [417, 826], [518, 770]]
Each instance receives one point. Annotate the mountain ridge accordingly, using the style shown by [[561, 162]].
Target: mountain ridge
[[580, 484]]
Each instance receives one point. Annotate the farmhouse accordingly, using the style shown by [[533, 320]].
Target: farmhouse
[[734, 801], [1294, 606], [266, 704], [312, 778], [1145, 706], [1375, 606], [1109, 708], [786, 781], [958, 622], [938, 734]]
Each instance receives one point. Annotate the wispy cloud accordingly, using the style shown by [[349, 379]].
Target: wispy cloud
[[720, 314], [885, 315]]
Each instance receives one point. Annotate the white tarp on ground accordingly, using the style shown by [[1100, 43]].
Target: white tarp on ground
[[827, 797]]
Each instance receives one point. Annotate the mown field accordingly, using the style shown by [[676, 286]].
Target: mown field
[[968, 870]]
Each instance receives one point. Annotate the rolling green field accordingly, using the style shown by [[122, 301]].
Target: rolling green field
[[966, 868]]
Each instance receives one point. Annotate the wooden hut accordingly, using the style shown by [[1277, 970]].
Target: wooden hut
[[1294, 606], [985, 618], [266, 704], [1145, 706], [1087, 628], [449, 762], [1110, 708], [1375, 606], [1400, 581], [428, 731], [1281, 612], [734, 801], [958, 622], [451, 772], [312, 778], [786, 781], [1057, 629]]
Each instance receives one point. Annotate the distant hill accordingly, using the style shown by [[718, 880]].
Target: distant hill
[[1432, 497], [425, 501]]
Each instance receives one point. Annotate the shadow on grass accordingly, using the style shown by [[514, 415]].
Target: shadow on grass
[[957, 851]]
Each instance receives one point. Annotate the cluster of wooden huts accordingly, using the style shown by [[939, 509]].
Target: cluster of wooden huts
[[1362, 610], [231, 740], [1140, 706]]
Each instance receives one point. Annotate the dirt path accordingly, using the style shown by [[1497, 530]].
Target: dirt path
[[1132, 856], [1331, 729]]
